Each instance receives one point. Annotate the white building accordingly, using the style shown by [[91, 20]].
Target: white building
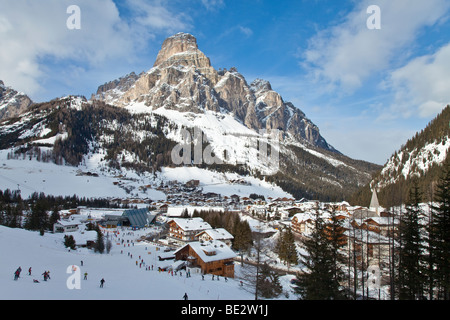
[[185, 230], [66, 226], [216, 234]]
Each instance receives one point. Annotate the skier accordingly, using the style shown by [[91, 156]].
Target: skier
[[45, 274], [102, 282], [85, 276], [19, 270], [16, 274], [185, 297], [29, 271]]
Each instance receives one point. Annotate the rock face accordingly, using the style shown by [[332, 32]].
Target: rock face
[[12, 103], [183, 79]]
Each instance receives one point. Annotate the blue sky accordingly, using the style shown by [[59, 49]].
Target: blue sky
[[367, 90]]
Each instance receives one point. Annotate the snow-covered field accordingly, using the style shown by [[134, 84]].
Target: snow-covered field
[[33, 176], [124, 279], [221, 182]]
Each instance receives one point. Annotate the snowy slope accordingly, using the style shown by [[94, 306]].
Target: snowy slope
[[415, 162], [124, 279], [220, 182], [33, 176], [222, 131]]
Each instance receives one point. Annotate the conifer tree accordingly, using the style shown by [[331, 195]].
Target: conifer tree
[[69, 242], [410, 278], [99, 244], [38, 217], [440, 236], [242, 236], [54, 216], [318, 281], [337, 241], [268, 282], [286, 248]]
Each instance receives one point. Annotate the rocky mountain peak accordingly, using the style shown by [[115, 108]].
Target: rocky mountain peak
[[12, 102], [183, 79], [181, 49], [260, 85]]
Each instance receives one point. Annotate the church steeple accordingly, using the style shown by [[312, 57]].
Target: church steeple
[[374, 204]]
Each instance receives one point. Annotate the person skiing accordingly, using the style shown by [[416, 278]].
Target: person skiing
[[29, 271], [17, 273], [185, 297], [102, 282], [85, 276], [45, 274]]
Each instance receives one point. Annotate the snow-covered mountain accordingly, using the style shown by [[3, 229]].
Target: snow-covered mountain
[[12, 102], [183, 79], [184, 113], [183, 87], [421, 159]]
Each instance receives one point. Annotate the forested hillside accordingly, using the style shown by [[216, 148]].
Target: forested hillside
[[420, 160]]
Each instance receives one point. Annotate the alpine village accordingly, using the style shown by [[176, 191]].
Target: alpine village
[[96, 178]]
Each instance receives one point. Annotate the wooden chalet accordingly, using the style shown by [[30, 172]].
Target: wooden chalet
[[212, 257], [185, 230], [220, 234]]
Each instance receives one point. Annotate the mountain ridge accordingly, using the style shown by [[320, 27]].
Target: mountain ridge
[[135, 122], [12, 102], [188, 82], [420, 160]]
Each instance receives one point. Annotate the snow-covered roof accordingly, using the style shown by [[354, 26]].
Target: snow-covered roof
[[191, 224], [81, 238], [211, 250], [218, 234], [66, 223]]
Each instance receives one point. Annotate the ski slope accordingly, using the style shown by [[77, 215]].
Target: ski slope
[[124, 279]]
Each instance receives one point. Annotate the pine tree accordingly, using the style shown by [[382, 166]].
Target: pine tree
[[38, 218], [335, 233], [69, 242], [286, 248], [242, 236], [54, 216], [99, 244], [440, 236], [318, 281], [269, 282], [410, 278]]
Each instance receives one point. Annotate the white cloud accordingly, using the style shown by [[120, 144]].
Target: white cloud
[[348, 54], [246, 31], [34, 38], [155, 15], [213, 4], [422, 86]]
